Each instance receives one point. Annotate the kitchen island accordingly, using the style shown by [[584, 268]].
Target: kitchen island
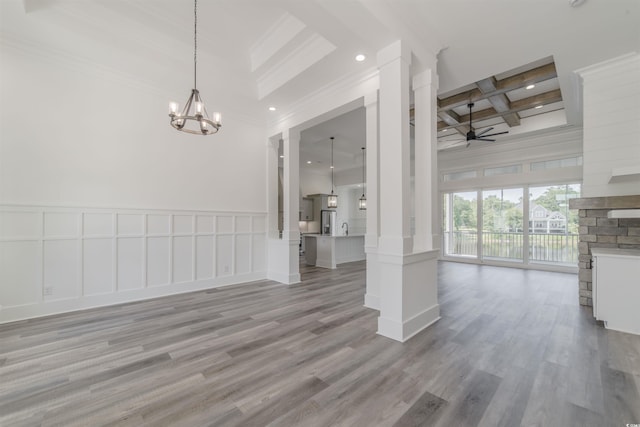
[[328, 251]]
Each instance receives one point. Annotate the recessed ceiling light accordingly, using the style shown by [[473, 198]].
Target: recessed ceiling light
[[281, 156], [272, 108], [360, 57], [538, 107], [530, 87], [308, 162], [331, 167]]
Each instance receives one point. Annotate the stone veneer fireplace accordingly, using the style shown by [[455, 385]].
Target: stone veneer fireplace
[[598, 230]]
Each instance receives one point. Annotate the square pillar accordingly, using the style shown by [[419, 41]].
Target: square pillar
[[425, 87], [372, 295], [283, 265], [408, 278]]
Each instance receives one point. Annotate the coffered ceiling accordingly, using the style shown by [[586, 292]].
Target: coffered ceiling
[[500, 103]]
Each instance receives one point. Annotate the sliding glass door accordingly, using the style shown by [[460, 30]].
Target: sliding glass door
[[502, 224], [526, 225], [553, 227], [461, 224]]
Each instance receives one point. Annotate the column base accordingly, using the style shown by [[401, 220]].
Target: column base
[[283, 261], [403, 331], [372, 301], [408, 294]]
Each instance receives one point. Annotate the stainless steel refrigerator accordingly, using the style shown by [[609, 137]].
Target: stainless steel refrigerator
[[328, 221]]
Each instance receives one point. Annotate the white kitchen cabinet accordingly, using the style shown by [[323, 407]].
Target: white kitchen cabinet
[[306, 210], [616, 288]]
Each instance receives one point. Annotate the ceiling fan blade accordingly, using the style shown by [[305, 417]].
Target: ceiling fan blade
[[485, 139], [497, 133], [484, 131]]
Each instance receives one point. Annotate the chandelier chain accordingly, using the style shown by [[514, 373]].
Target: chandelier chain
[[364, 163], [331, 165], [195, 43]]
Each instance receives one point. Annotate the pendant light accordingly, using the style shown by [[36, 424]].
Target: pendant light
[[194, 118], [332, 200], [362, 201]]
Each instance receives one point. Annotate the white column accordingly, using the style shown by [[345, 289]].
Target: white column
[[372, 295], [395, 192], [425, 86], [284, 253], [408, 279], [291, 151], [272, 187]]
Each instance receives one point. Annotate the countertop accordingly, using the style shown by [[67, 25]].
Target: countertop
[[326, 235]]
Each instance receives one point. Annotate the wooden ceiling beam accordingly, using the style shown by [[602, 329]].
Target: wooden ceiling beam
[[452, 119], [517, 106], [460, 99], [533, 76], [499, 102], [526, 78]]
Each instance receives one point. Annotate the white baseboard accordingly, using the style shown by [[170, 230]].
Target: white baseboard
[[48, 308], [403, 331]]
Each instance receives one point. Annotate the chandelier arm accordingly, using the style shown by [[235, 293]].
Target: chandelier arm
[[187, 105]]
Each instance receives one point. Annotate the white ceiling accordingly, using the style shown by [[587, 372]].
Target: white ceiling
[[257, 53]]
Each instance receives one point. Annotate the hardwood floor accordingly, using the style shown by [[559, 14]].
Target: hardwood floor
[[512, 348]]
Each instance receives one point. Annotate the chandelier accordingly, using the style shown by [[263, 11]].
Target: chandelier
[[362, 201], [194, 118], [332, 200]]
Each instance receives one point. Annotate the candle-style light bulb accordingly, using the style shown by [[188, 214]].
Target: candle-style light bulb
[[216, 118], [198, 107], [173, 107]]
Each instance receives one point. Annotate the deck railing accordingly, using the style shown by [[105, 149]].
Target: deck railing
[[548, 248]]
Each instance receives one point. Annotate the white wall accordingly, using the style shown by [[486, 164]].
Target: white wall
[[314, 183], [611, 98], [101, 201], [82, 137]]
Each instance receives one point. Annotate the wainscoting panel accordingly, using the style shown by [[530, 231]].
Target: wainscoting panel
[[158, 261], [61, 269], [97, 266], [20, 273], [158, 224], [59, 259], [224, 255], [182, 259], [243, 246], [130, 265], [205, 257]]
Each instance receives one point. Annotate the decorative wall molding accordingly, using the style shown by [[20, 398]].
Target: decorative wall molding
[[59, 259]]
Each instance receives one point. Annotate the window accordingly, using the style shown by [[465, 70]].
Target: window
[[555, 239], [503, 170], [503, 230], [502, 224], [461, 224], [557, 163], [459, 176]]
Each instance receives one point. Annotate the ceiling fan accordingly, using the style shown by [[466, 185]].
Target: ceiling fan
[[471, 134], [480, 136]]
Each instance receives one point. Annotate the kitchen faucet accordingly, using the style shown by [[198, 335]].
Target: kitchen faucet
[[346, 233]]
